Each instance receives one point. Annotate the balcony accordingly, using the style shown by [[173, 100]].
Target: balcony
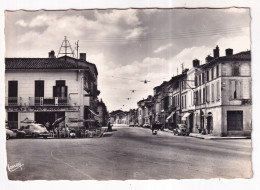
[[13, 101], [49, 101]]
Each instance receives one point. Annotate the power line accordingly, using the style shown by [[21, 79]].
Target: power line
[[167, 36]]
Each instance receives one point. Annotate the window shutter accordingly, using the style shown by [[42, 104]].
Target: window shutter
[[54, 91], [66, 91]]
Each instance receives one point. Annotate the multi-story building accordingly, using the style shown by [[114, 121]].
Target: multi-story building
[[44, 89], [223, 94]]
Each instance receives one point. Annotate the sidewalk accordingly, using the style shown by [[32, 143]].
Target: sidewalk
[[210, 137]]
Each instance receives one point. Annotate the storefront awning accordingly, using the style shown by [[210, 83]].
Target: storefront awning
[[92, 112], [185, 116], [170, 115]]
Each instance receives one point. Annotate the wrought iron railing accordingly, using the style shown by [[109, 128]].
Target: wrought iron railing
[[12, 101], [49, 101]]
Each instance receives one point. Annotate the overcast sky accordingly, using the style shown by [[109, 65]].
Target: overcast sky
[[131, 45]]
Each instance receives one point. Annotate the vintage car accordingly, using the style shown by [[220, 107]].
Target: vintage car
[[146, 125], [72, 133], [18, 133], [35, 130], [9, 134], [131, 124], [181, 129]]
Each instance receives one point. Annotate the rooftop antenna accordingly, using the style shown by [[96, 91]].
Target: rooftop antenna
[[65, 48], [182, 67], [77, 48]]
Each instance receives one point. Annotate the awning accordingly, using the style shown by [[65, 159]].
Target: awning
[[185, 116], [170, 115], [92, 112]]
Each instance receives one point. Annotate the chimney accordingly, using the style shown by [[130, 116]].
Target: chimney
[[196, 62], [229, 52], [51, 54], [208, 59], [216, 52], [82, 56]]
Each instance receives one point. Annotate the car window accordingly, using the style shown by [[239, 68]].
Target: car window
[[27, 127]]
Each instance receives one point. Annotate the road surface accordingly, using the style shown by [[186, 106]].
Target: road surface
[[128, 153]]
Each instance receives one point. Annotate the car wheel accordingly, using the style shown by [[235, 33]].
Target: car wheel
[[7, 136], [33, 135]]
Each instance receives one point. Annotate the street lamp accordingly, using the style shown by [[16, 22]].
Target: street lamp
[[205, 106]]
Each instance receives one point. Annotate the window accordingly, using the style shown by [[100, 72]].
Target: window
[[185, 105], [207, 94], [39, 88], [60, 90], [199, 79], [199, 97], [207, 75], [235, 70], [218, 90], [217, 70], [196, 81], [235, 90], [203, 78], [212, 73], [204, 95], [212, 93]]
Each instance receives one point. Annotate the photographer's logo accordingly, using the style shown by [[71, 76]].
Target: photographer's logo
[[14, 167]]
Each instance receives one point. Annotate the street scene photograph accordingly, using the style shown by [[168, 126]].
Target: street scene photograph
[[128, 94]]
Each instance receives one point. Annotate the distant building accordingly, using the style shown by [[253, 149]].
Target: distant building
[[102, 113]]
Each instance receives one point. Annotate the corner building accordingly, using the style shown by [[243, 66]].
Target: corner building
[[45, 89]]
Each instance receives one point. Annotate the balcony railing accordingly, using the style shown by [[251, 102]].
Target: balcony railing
[[49, 101], [12, 101]]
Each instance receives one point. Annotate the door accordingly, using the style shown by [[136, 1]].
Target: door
[[13, 120], [234, 120], [39, 91], [12, 92]]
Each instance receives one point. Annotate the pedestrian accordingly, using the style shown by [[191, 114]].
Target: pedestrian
[[109, 126], [47, 125]]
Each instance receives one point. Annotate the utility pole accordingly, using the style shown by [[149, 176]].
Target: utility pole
[[182, 67], [77, 48]]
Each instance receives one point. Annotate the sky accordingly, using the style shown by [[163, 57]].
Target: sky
[[131, 45]]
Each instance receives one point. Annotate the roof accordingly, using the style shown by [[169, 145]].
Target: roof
[[41, 63], [242, 56]]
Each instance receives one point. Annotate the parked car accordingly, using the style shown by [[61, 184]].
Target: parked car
[[18, 133], [181, 129], [72, 133], [36, 130], [131, 124], [9, 134], [146, 125]]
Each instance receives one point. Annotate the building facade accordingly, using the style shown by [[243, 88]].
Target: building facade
[[45, 89]]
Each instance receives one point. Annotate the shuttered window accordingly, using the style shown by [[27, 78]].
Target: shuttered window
[[212, 93], [218, 90], [207, 93], [235, 90]]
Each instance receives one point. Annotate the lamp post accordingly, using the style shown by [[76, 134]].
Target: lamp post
[[205, 106]]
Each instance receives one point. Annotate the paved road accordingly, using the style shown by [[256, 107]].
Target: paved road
[[129, 153]]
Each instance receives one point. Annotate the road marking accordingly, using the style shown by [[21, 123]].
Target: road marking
[[88, 176]]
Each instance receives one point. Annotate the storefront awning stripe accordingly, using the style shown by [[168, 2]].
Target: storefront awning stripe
[[185, 116], [170, 115], [93, 112]]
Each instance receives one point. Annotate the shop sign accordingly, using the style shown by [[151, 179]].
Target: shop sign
[[43, 109]]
